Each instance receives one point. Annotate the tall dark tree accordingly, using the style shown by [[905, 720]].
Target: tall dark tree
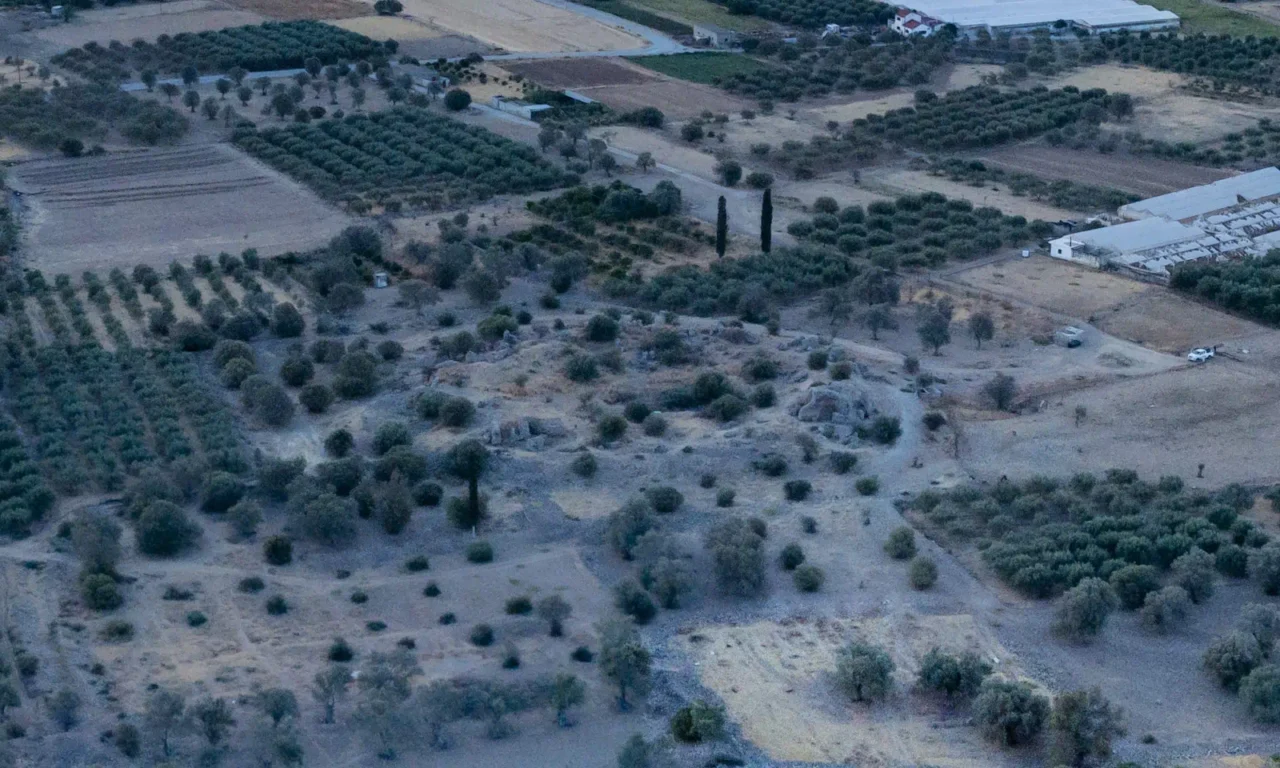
[[722, 228], [766, 222], [468, 461]]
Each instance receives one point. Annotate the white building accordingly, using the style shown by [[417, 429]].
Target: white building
[[1233, 218], [1025, 15], [517, 107], [714, 36], [909, 23]]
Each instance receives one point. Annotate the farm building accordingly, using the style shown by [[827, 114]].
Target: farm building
[[909, 23], [1025, 15], [716, 37], [1237, 217], [517, 107]]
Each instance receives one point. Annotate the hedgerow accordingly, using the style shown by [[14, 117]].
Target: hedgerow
[[405, 154], [24, 497], [1063, 193], [1247, 60], [1044, 536], [815, 14], [255, 48]]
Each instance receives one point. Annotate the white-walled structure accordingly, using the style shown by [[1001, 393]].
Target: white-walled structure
[[1233, 218], [1023, 15]]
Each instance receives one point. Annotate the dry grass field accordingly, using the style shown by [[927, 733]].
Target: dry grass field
[[158, 205], [398, 28], [774, 680], [522, 25], [290, 10], [146, 22], [1141, 175]]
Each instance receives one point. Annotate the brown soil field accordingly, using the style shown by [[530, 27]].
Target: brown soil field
[[679, 100], [580, 73], [291, 10], [145, 22], [773, 678], [522, 25], [1151, 315], [1140, 175], [159, 205]]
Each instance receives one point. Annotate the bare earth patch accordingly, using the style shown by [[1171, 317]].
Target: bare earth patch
[[580, 73], [774, 680], [159, 205], [679, 100]]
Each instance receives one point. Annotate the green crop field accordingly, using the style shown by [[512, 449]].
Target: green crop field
[[704, 12], [703, 68], [1211, 18]]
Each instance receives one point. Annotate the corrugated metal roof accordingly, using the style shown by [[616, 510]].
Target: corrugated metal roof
[[1197, 201], [1136, 235], [1019, 13]]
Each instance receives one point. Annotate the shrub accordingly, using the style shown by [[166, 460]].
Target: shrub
[[417, 564], [655, 425], [808, 578], [611, 428], [100, 592], [1232, 657], [117, 631], [390, 435], [771, 465], [316, 398], [427, 494], [632, 600], [760, 368], [636, 412], [236, 371], [480, 552], [1194, 573], [601, 328], [1133, 583], [797, 490], [726, 408], [791, 556], [664, 499], [582, 654], [519, 606], [481, 635], [933, 420], [278, 550], [390, 350], [864, 672], [339, 443], [867, 486], [163, 529], [581, 368], [763, 396], [843, 462], [885, 430], [697, 723], [1009, 713], [448, 618], [817, 360], [431, 590], [956, 676], [923, 573], [901, 544], [737, 552], [725, 497], [251, 585], [1260, 692], [1083, 610], [277, 605], [222, 490], [297, 370], [1164, 610], [196, 619], [456, 412]]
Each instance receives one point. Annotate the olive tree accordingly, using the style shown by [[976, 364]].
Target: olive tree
[[1082, 726], [624, 660], [1009, 713], [1082, 611], [864, 672]]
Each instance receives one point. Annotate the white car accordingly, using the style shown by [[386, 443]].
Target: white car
[[1199, 355]]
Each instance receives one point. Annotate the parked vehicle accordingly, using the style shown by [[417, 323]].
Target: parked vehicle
[[1200, 354]]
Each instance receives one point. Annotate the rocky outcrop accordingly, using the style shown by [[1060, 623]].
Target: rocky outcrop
[[836, 403]]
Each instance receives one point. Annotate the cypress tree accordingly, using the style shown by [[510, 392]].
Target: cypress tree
[[722, 228], [766, 221]]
